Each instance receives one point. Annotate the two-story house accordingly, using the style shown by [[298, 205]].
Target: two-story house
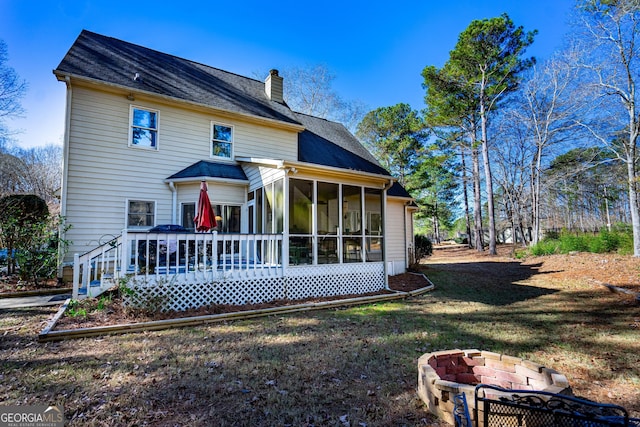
[[303, 208]]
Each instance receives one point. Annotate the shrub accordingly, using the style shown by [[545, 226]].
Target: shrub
[[605, 242], [38, 256], [20, 213], [625, 246], [75, 309], [424, 247], [619, 240], [551, 235], [546, 247], [573, 243], [461, 240], [104, 301]]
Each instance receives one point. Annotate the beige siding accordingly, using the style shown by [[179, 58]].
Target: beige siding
[[262, 142], [218, 193], [395, 232], [261, 175], [104, 172]]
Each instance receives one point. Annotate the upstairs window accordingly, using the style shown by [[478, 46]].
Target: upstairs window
[[144, 128], [221, 141]]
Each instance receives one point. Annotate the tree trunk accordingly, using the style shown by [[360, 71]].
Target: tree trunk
[[465, 193], [477, 200], [536, 196], [633, 207], [488, 180]]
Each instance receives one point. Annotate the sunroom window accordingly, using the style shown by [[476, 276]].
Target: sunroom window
[[328, 208], [351, 223], [221, 141], [300, 221], [373, 225], [144, 128]]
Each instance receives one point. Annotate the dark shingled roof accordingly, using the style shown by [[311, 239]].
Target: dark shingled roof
[[330, 144], [203, 169], [398, 190], [117, 62]]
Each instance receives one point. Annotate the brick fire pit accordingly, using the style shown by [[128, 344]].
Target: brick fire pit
[[443, 374]]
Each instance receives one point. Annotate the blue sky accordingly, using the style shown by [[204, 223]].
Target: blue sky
[[376, 49]]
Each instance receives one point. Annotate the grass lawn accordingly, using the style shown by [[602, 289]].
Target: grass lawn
[[342, 367]]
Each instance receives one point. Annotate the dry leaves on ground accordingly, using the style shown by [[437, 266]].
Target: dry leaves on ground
[[112, 312]]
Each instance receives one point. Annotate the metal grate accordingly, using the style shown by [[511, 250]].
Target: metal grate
[[461, 411], [521, 408]]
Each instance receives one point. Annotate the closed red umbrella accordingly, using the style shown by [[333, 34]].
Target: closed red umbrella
[[205, 219]]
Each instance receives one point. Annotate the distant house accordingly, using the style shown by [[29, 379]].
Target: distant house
[[303, 208]]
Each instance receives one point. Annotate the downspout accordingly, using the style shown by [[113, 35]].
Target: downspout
[[385, 239], [174, 202], [64, 178]]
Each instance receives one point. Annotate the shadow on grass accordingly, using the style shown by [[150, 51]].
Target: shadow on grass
[[489, 283], [328, 367]]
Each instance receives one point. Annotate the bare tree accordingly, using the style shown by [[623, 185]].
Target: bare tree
[[310, 91], [43, 172], [585, 189], [12, 89], [12, 174], [36, 171], [512, 157], [609, 35], [548, 106]]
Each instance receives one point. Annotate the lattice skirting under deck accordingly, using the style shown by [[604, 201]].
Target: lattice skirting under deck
[[175, 292], [334, 279]]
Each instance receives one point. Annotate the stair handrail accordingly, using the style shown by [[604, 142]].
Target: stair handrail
[[85, 263]]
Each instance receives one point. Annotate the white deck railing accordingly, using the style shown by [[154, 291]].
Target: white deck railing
[[96, 269], [156, 255]]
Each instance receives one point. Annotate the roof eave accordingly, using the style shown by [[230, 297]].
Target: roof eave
[[262, 161], [387, 179], [405, 198], [231, 181], [62, 76], [299, 166]]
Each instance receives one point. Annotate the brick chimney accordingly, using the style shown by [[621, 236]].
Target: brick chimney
[[273, 86]]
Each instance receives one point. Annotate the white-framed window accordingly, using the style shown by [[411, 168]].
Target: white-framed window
[[188, 213], [141, 214], [228, 218], [144, 128], [221, 141]]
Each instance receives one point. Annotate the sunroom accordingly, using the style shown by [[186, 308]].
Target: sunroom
[[325, 238]]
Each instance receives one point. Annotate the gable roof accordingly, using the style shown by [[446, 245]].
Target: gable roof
[[398, 190], [116, 62], [328, 143], [204, 169]]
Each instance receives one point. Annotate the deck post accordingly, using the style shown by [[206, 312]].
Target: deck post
[[124, 255], [76, 275]]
